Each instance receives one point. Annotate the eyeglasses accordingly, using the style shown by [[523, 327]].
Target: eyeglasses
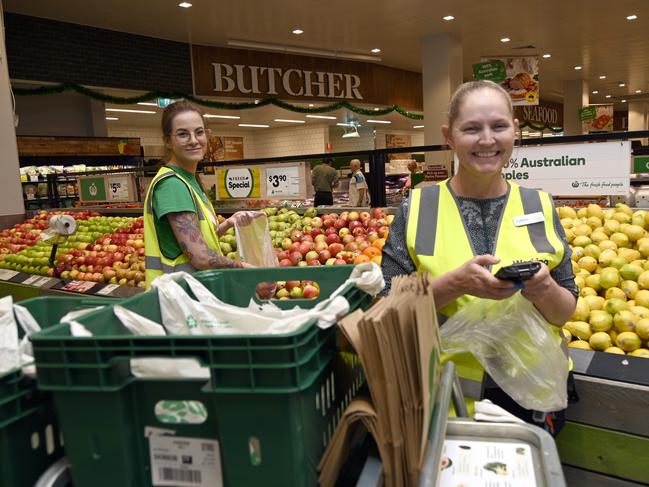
[[185, 136]]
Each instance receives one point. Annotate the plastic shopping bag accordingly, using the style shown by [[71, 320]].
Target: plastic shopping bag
[[254, 243], [9, 354], [517, 348]]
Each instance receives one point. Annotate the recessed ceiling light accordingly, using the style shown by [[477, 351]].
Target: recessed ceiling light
[[595, 92], [602, 76], [448, 17], [608, 96], [631, 17], [379, 121], [326, 117], [376, 109], [285, 120], [185, 4], [258, 125], [376, 50], [623, 101], [233, 117], [147, 103], [112, 118], [505, 39], [349, 124], [622, 85], [417, 126], [638, 91], [577, 68], [310, 104], [547, 56], [298, 31], [126, 110]]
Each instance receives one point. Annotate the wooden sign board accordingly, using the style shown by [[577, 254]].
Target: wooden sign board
[[81, 146]]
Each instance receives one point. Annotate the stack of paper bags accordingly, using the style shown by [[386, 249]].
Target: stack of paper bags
[[397, 341]]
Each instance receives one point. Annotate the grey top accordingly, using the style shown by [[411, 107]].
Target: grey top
[[481, 218]]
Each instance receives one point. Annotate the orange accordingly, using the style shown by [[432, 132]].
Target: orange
[[361, 259], [371, 252], [379, 243], [376, 259]]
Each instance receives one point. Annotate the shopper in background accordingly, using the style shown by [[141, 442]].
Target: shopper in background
[[181, 231], [358, 195], [463, 229], [324, 177], [414, 177]]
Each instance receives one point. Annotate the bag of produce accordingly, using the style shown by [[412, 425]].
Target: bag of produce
[[513, 342]]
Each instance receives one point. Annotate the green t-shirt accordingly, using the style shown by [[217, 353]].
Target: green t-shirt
[[172, 196], [324, 178]]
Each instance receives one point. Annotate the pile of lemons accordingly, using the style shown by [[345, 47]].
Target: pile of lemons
[[610, 258]]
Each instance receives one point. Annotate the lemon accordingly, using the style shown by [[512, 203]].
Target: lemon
[[600, 320], [628, 341], [615, 292], [615, 350], [600, 341], [581, 344], [642, 328]]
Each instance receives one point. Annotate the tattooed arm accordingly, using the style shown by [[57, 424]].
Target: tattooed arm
[[189, 236]]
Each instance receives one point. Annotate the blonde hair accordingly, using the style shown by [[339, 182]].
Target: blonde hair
[[465, 89]]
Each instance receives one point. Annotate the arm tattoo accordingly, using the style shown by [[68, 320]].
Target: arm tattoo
[[216, 260], [187, 224]]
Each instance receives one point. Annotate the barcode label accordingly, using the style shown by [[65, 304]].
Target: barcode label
[[185, 462], [169, 458], [180, 475]]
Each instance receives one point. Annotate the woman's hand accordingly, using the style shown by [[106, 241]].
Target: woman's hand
[[240, 218], [475, 279], [539, 286], [555, 303]]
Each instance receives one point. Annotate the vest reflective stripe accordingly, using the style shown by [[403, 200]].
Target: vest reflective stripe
[[156, 263], [438, 241]]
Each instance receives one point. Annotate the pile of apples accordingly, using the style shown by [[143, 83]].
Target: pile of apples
[[114, 258], [296, 290], [350, 237]]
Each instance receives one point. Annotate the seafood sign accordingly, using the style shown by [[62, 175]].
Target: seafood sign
[[519, 76]]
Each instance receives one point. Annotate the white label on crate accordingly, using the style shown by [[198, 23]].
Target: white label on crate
[[105, 291], [282, 181], [6, 274], [486, 464], [185, 462], [31, 280]]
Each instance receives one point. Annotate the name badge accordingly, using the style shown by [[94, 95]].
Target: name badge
[[523, 220]]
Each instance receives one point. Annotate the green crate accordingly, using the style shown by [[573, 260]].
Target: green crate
[[272, 401], [29, 436]]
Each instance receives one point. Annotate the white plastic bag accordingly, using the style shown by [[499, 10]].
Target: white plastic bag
[[9, 353], [517, 348], [254, 243]]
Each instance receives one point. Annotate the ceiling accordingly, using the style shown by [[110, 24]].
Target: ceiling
[[594, 34]]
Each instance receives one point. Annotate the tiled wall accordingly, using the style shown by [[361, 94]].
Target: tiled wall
[[362, 143]]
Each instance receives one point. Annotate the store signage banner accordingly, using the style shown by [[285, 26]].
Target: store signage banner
[[393, 141], [283, 181], [546, 112], [596, 118], [238, 183], [521, 78], [92, 188], [224, 149], [220, 71], [641, 164], [572, 169]]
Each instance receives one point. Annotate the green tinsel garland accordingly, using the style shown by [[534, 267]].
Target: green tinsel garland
[[152, 95], [541, 128]]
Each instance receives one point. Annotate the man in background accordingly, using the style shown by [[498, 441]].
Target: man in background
[[358, 195], [324, 177]]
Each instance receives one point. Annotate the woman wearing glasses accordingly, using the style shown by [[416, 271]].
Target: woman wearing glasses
[[180, 226]]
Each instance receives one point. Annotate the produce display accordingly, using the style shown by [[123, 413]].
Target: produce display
[[610, 258]]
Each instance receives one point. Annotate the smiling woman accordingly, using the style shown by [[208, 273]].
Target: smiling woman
[[463, 230], [180, 225]]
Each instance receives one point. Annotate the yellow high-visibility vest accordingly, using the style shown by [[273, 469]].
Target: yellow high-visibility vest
[[156, 263], [438, 242]]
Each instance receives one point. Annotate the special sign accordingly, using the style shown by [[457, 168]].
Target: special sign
[[238, 183]]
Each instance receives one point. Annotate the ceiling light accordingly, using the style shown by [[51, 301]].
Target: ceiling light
[[448, 17], [621, 85], [623, 101], [263, 46], [505, 39], [126, 110], [112, 118], [349, 124], [602, 76], [147, 103], [376, 109], [285, 120], [631, 17], [608, 96], [326, 117], [311, 104], [259, 125], [298, 31], [379, 121], [638, 91], [577, 68], [233, 117], [547, 56], [185, 4], [417, 126], [376, 50], [595, 92], [353, 133]]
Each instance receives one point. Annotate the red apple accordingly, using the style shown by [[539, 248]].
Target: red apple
[[315, 232], [333, 238], [316, 222], [352, 246], [383, 231], [364, 215], [296, 235], [339, 262], [311, 255], [295, 257], [331, 230], [340, 223], [330, 261], [285, 263], [324, 256], [353, 216], [354, 224], [314, 262], [282, 255], [343, 231], [359, 231], [307, 238], [286, 243], [295, 247], [291, 284], [348, 238], [310, 292], [321, 246], [334, 248], [320, 238], [305, 247], [328, 222], [378, 213]]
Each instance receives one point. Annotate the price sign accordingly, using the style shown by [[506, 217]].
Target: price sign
[[6, 274], [283, 181], [118, 188], [31, 280], [107, 290]]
